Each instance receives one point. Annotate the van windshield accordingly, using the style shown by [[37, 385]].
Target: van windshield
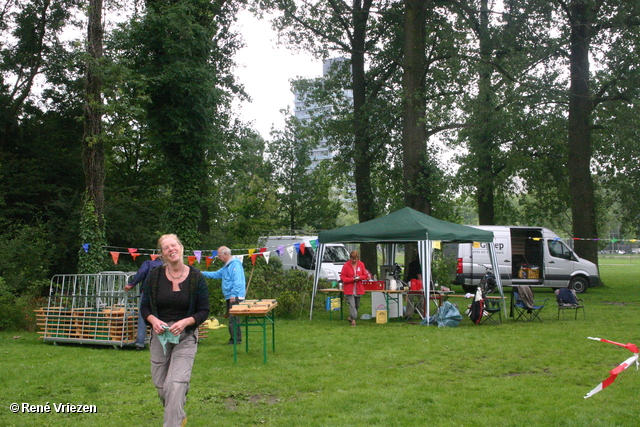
[[335, 254]]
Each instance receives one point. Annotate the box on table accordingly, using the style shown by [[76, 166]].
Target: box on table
[[373, 285]]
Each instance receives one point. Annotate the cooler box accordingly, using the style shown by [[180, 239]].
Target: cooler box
[[373, 285], [395, 309]]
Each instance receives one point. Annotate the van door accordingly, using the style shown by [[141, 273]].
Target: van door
[[559, 265], [527, 256]]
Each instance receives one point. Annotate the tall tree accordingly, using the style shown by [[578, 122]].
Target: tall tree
[[414, 130], [304, 194], [92, 229], [585, 20], [354, 30], [508, 45], [185, 53]]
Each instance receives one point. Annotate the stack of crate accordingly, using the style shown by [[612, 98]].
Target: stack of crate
[[109, 324], [54, 322]]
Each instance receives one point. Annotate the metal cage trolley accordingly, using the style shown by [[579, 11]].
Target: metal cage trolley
[[90, 309]]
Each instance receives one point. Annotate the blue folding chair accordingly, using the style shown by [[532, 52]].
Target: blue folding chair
[[528, 312]]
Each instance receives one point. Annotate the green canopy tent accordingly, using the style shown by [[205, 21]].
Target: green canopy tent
[[406, 226]]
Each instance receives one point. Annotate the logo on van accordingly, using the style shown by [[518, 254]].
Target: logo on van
[[499, 246]]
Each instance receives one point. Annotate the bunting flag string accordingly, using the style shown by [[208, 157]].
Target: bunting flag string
[[252, 253], [280, 250]]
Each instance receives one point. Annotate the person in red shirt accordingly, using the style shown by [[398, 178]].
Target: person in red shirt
[[352, 274]]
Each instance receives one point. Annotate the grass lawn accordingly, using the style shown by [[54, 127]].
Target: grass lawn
[[325, 373]]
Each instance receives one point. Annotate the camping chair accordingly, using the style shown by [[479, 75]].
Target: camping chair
[[492, 306], [529, 310], [567, 300]]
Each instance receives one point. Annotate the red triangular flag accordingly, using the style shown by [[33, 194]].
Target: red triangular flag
[[132, 250], [135, 255], [114, 257], [253, 259], [302, 248], [208, 261], [154, 256], [191, 259]]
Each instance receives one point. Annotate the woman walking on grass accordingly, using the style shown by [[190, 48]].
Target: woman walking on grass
[[175, 302]]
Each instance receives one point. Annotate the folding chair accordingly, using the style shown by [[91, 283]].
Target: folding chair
[[567, 300], [491, 307], [528, 311]]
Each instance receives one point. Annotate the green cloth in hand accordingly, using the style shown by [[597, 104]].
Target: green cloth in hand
[[167, 336]]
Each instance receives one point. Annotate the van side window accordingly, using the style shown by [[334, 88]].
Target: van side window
[[305, 260], [558, 249]]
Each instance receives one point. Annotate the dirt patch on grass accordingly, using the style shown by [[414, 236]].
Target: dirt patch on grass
[[517, 374], [232, 403]]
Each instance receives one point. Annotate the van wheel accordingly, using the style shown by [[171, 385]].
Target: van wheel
[[579, 284]]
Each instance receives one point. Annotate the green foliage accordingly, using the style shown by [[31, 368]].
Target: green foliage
[[93, 259], [443, 268], [305, 199], [269, 281], [17, 310], [243, 196], [25, 257], [188, 84]]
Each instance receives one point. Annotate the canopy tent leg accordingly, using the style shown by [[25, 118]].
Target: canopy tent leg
[[316, 276], [424, 252], [496, 272]]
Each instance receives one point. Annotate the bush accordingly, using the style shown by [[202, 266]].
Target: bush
[[443, 268], [291, 288], [17, 310], [25, 256]]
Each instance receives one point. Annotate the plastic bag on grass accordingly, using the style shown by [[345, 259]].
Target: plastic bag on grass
[[448, 315]]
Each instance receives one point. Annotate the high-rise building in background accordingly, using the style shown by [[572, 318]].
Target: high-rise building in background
[[304, 110]]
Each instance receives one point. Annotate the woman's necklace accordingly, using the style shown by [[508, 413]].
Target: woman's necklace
[[179, 275]]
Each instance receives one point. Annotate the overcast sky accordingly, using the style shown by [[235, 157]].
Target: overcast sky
[[265, 70]]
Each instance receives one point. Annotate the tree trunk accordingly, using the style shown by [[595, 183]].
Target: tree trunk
[[362, 140], [481, 140], [579, 130], [414, 106], [93, 149], [92, 227]]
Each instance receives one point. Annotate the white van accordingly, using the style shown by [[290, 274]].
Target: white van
[[533, 256], [335, 254]]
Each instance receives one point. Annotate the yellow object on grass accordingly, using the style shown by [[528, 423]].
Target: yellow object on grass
[[213, 324]]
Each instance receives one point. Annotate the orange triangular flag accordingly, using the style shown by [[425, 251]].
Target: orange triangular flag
[[208, 260], [135, 255], [132, 250], [253, 259], [154, 256], [114, 257], [191, 259]]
